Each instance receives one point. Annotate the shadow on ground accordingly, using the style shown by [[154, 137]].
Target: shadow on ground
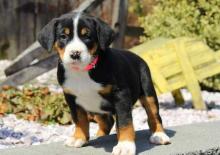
[[142, 141]]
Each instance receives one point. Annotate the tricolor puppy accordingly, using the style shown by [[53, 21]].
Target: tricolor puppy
[[101, 82]]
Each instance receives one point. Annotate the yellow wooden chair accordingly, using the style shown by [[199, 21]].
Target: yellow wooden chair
[[178, 63]]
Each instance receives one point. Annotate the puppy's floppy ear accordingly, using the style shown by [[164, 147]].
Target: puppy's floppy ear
[[104, 33], [46, 36]]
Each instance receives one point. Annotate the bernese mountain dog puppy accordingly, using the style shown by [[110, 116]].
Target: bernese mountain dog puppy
[[101, 83]]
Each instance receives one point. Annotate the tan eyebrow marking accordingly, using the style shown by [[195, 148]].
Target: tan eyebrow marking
[[84, 31], [66, 30]]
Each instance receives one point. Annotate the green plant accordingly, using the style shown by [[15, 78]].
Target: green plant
[[175, 18], [135, 7], [35, 104]]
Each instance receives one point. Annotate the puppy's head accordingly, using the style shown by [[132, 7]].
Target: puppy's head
[[76, 37]]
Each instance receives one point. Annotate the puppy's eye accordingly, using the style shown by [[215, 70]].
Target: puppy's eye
[[84, 31], [63, 36]]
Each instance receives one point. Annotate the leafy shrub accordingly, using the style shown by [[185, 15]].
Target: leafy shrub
[[194, 18], [135, 7], [35, 104]]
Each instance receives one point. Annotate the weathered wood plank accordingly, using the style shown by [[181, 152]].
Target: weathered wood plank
[[204, 56], [207, 71], [31, 72], [26, 24], [8, 31], [88, 5], [190, 77], [134, 31], [25, 58], [197, 62], [176, 82], [170, 58], [106, 11], [44, 11], [159, 80], [178, 97], [119, 22]]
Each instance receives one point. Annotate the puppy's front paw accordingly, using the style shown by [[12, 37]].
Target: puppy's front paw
[[75, 142], [124, 148], [160, 138]]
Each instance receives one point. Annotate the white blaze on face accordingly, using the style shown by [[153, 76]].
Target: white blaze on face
[[76, 44], [78, 82]]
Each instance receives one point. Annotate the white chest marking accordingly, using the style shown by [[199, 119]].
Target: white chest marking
[[80, 84]]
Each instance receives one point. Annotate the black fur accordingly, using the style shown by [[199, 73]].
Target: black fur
[[104, 33], [46, 36]]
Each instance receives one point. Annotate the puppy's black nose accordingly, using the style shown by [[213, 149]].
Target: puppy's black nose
[[75, 55]]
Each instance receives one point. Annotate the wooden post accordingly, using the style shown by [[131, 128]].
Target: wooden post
[[25, 58], [89, 5], [190, 77], [134, 31], [157, 76], [178, 97], [119, 22]]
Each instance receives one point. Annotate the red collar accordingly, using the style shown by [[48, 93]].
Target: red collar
[[89, 66], [92, 64]]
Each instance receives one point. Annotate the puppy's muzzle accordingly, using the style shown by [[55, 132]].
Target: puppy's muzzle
[[75, 55]]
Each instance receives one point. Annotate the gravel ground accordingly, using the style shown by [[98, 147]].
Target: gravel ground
[[17, 132]]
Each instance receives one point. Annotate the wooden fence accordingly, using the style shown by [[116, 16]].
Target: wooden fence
[[22, 19]]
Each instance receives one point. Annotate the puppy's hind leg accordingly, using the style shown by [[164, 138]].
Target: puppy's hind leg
[[154, 121], [150, 103]]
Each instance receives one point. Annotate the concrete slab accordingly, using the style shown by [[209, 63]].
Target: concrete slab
[[189, 138]]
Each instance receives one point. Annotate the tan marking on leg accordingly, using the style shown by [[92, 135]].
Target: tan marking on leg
[[105, 90], [82, 125], [126, 133], [151, 109], [59, 50], [104, 126], [126, 144]]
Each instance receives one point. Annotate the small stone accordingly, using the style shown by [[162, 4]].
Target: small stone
[[211, 105], [34, 139], [17, 135], [5, 132]]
